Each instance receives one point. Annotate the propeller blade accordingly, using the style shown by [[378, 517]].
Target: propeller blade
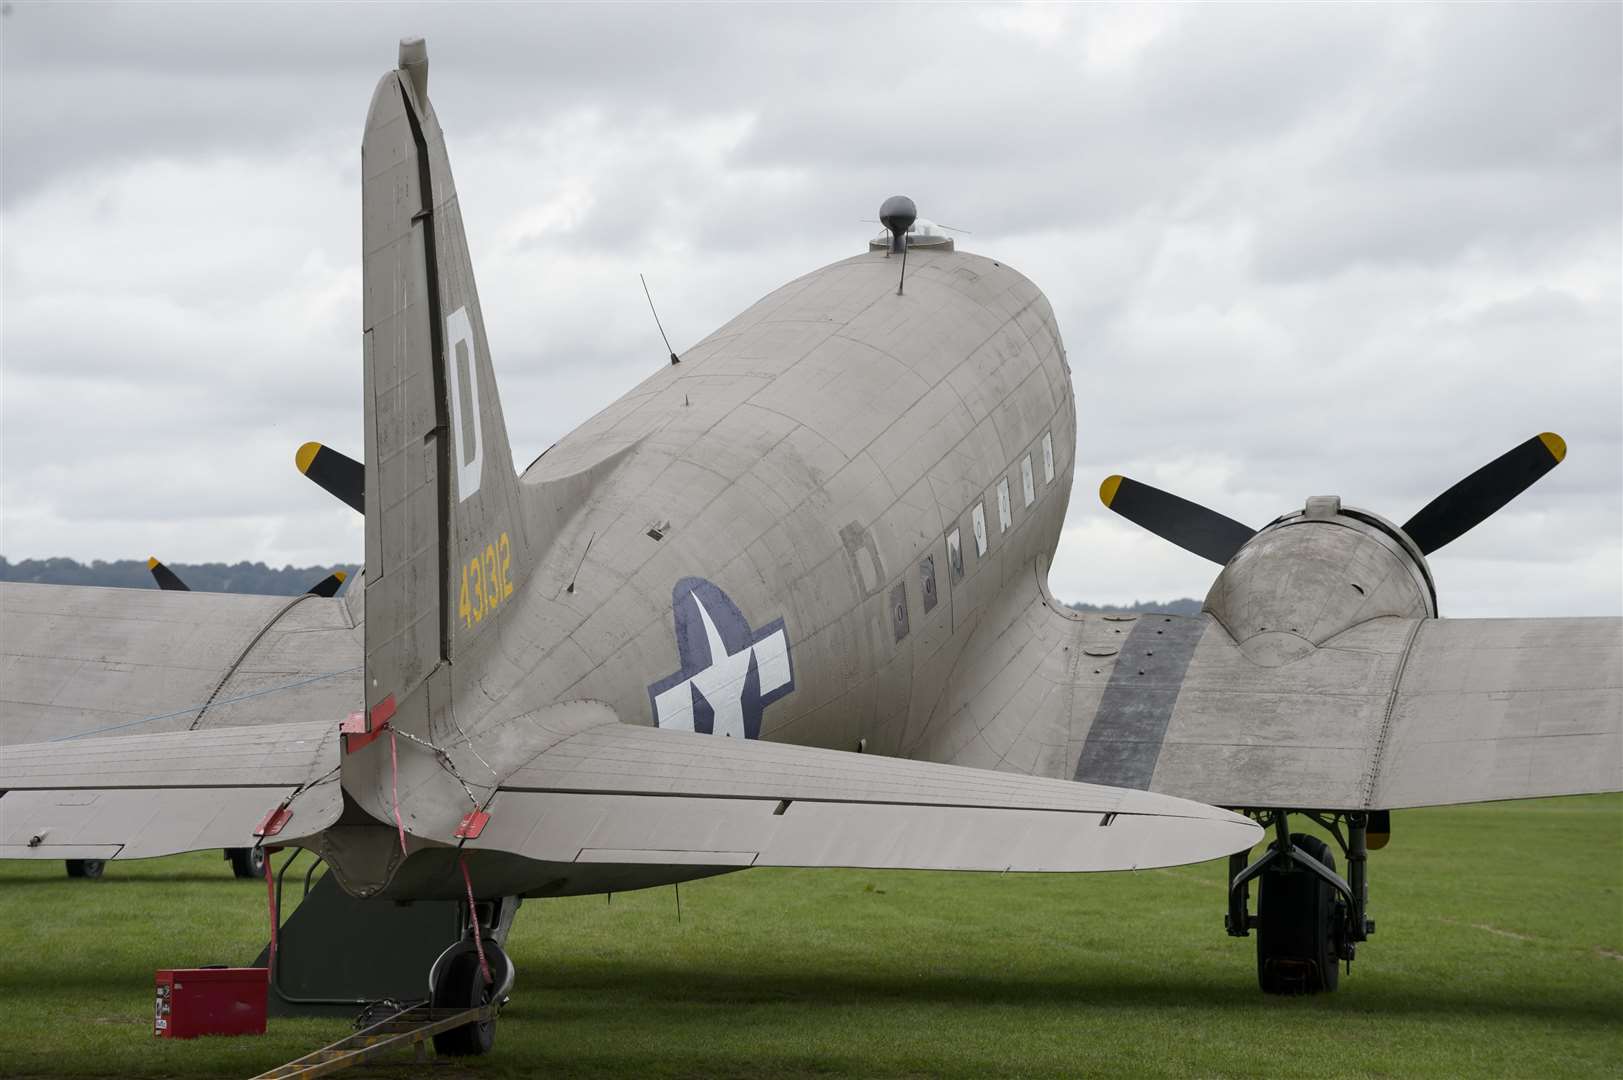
[[1189, 525], [339, 474], [329, 585], [1473, 500], [167, 578]]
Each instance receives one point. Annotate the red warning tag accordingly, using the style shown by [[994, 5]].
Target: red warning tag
[[273, 822], [472, 825]]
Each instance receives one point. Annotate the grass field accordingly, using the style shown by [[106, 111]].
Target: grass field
[[1499, 953]]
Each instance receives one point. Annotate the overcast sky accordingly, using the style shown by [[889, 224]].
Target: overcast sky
[[1294, 250]]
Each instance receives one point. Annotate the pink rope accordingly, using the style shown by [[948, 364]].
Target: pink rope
[[394, 789], [270, 902], [473, 917]]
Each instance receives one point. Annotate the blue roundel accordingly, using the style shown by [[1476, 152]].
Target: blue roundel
[[729, 673]]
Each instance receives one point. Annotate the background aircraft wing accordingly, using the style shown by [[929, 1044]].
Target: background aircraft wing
[[1504, 709], [1388, 714], [1393, 713], [615, 793], [78, 660], [138, 796]]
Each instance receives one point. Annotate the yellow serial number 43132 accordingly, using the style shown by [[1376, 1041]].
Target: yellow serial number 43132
[[485, 582]]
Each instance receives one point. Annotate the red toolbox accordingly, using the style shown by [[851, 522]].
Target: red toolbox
[[209, 1001]]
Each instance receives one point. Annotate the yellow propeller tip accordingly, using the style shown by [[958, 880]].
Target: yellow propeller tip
[[341, 576], [152, 562], [307, 453], [1555, 444], [1107, 490]]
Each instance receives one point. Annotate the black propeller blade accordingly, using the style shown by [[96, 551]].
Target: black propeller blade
[[339, 474], [167, 578], [1189, 525], [329, 585], [1471, 501]]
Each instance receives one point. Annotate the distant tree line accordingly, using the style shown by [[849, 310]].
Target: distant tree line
[[242, 577], [246, 577], [1185, 606]]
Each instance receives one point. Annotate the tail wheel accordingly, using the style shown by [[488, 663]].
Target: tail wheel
[[85, 868], [1298, 925], [247, 862], [461, 985]]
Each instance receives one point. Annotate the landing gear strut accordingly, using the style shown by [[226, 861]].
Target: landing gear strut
[[1309, 919], [457, 979]]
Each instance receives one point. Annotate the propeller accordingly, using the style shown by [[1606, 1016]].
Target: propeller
[[170, 581], [1446, 518], [1189, 525], [329, 585], [167, 578], [1471, 501], [339, 474]]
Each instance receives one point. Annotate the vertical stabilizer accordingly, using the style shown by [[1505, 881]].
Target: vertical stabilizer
[[445, 544]]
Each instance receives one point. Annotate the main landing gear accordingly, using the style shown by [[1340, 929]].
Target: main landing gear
[[457, 980], [1309, 919], [246, 862]]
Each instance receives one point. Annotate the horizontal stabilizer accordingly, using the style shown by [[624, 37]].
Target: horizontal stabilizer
[[612, 792], [141, 796]]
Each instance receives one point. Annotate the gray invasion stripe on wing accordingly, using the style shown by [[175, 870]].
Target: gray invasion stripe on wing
[[1124, 742]]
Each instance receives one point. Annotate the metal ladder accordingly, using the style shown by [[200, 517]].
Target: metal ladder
[[412, 1026]]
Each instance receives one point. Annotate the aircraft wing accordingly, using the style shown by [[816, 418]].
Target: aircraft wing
[[609, 792], [1391, 713], [78, 660], [1394, 713], [139, 796]]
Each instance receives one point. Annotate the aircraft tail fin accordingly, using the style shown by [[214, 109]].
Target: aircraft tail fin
[[445, 532]]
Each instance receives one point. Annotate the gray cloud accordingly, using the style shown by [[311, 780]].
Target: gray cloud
[[1294, 250]]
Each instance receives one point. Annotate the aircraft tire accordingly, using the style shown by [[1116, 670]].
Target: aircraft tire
[[85, 868], [247, 862], [1296, 926], [462, 986]]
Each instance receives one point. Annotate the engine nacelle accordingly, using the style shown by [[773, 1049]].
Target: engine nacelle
[[1315, 573]]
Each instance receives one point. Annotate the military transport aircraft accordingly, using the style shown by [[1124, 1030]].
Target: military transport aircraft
[[825, 528]]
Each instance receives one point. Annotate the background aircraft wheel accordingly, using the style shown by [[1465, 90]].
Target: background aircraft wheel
[[247, 862], [1297, 922], [462, 985], [87, 868]]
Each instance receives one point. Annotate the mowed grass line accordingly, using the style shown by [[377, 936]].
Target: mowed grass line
[[1499, 953]]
